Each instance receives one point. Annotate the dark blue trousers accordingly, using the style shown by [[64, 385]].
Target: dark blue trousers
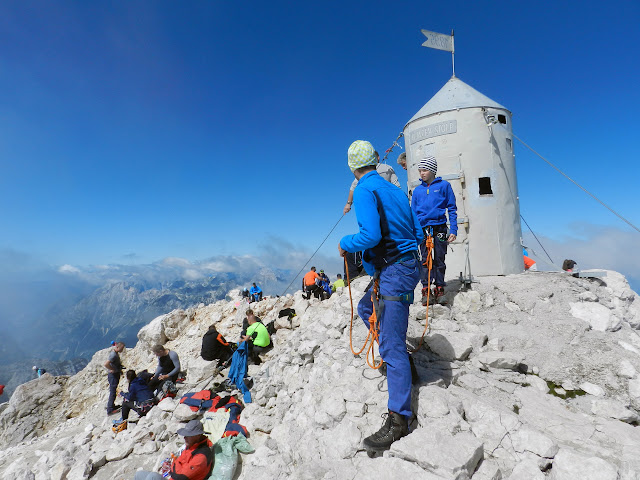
[[395, 279], [114, 379], [438, 267]]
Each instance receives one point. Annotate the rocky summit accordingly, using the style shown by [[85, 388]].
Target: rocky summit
[[531, 376]]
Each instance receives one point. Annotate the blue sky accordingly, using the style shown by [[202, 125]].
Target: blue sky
[[135, 131]]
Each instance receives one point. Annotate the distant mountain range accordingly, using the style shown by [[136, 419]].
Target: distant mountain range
[[110, 304]]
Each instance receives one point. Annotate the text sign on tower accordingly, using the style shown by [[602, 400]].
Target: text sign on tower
[[434, 130]]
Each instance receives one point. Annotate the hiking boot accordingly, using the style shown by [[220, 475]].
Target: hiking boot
[[114, 410], [425, 297], [394, 428]]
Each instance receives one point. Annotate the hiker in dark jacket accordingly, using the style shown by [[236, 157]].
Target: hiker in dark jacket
[[215, 347], [139, 397]]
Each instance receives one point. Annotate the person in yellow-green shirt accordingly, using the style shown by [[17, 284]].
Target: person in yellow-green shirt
[[339, 283], [258, 338]]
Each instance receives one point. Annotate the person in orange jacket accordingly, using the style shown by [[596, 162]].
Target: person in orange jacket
[[194, 463]]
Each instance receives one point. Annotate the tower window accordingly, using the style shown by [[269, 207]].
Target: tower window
[[485, 186], [509, 145], [502, 119]]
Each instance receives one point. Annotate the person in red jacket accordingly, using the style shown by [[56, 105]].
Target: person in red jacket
[[1, 389], [196, 460]]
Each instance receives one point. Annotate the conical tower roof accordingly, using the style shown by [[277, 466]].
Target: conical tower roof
[[455, 94]]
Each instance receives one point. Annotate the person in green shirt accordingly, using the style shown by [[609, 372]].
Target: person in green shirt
[[258, 338], [339, 283]]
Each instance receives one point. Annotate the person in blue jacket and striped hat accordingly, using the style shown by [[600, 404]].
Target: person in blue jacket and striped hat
[[389, 235], [432, 201]]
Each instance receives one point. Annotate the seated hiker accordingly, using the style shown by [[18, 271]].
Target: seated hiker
[[194, 463], [139, 398], [326, 289], [257, 338], [215, 347], [309, 284], [256, 293], [245, 323], [323, 276], [168, 367], [245, 292], [339, 283]]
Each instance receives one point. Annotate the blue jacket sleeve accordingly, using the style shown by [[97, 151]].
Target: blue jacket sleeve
[[366, 206], [452, 210], [417, 229]]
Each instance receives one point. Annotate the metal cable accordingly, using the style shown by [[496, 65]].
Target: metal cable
[[312, 255], [578, 185], [534, 236]]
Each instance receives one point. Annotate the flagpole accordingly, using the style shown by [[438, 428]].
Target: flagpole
[[453, 49]]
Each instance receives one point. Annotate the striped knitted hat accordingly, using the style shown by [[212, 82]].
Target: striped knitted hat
[[361, 154], [428, 163]]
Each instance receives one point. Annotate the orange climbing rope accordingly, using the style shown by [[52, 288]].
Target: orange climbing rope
[[373, 333], [428, 262]]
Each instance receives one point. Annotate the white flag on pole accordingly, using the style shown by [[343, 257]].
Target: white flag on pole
[[438, 41]]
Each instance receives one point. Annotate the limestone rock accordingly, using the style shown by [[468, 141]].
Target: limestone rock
[[627, 370], [119, 450], [453, 345], [450, 456], [592, 389], [527, 439], [596, 315], [613, 409], [183, 413], [504, 360], [570, 465], [526, 469]]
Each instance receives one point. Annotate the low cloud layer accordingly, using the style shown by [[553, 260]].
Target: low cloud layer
[[592, 247]]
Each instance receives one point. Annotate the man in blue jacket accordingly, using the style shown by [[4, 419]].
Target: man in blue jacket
[[389, 235], [256, 293], [431, 200]]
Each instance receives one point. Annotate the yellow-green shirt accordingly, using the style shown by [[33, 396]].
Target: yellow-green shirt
[[262, 338]]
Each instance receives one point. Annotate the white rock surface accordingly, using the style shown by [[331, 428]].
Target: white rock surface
[[477, 415]]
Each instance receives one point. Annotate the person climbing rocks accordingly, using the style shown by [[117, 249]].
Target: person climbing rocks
[[389, 235], [139, 398], [432, 201], [194, 463], [310, 284], [256, 293], [168, 367], [1, 389], [39, 371], [215, 347], [257, 337], [384, 170], [114, 367]]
